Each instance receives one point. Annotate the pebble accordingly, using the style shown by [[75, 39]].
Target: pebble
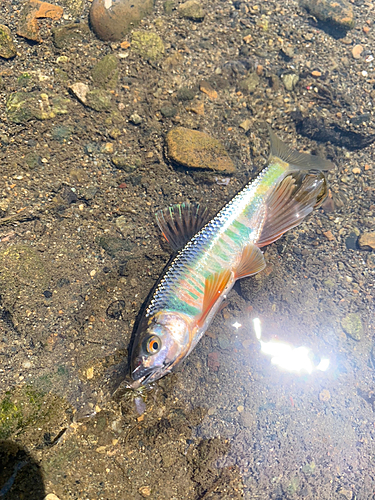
[[80, 91], [145, 491], [316, 74], [207, 89], [290, 80], [329, 235], [367, 241], [7, 47], [324, 395], [192, 9], [111, 20], [357, 51], [197, 150], [135, 119], [351, 241], [51, 496], [250, 83]]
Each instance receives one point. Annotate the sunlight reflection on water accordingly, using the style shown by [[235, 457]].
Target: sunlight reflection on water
[[286, 356]]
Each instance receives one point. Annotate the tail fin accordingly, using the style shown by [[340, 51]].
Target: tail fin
[[296, 160], [302, 189]]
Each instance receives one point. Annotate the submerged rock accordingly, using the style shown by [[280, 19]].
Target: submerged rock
[[113, 19], [192, 9], [105, 72], [148, 45], [24, 106], [367, 241], [197, 150], [7, 47], [336, 12], [30, 12], [70, 34], [352, 326]]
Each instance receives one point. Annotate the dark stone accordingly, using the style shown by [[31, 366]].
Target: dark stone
[[351, 242], [68, 195], [47, 294], [185, 94], [113, 245], [168, 111], [70, 34]]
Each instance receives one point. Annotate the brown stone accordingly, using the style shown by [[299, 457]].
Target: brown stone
[[33, 10], [113, 19], [367, 241], [357, 51], [197, 150]]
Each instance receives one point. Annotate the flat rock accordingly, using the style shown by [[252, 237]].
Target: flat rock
[[105, 72], [113, 19], [70, 34], [7, 47], [24, 106], [367, 241], [339, 13], [30, 12], [197, 150]]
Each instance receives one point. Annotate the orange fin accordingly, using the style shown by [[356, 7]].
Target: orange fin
[[215, 285], [179, 223], [291, 201], [252, 262]]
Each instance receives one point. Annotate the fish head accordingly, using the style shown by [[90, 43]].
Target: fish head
[[159, 346]]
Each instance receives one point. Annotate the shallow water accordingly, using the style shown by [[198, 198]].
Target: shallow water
[[80, 251]]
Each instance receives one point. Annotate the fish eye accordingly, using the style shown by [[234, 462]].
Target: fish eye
[[153, 344]]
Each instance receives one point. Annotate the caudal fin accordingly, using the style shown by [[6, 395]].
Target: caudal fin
[[295, 159], [302, 189]]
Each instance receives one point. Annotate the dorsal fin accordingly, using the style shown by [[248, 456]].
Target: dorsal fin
[[180, 222], [295, 159], [290, 202]]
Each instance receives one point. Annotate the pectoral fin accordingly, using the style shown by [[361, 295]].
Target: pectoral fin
[[179, 223], [214, 287]]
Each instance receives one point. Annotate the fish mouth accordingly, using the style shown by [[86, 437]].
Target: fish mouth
[[144, 376]]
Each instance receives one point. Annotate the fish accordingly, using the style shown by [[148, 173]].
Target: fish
[[211, 256]]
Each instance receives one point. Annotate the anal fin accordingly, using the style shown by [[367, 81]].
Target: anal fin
[[252, 262], [290, 202], [180, 222]]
